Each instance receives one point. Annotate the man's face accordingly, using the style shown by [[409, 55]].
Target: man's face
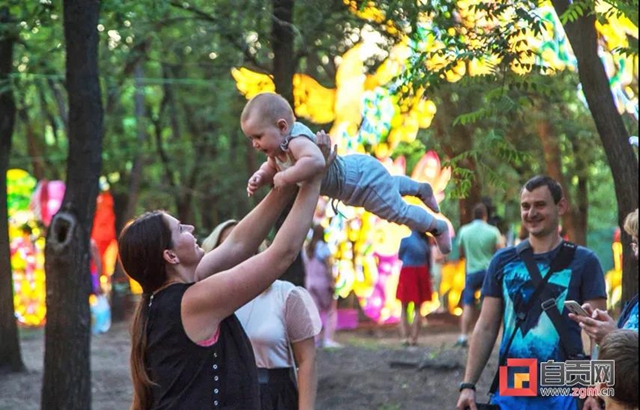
[[539, 215]]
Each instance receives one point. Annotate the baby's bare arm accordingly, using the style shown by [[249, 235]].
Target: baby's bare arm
[[309, 161], [268, 169], [263, 176]]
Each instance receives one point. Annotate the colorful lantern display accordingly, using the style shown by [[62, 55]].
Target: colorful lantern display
[[31, 208], [373, 112]]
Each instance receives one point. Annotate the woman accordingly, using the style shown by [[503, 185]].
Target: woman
[[600, 323], [414, 284], [188, 349], [320, 283], [281, 324]]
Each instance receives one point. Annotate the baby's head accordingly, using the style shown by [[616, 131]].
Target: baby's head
[[266, 120]]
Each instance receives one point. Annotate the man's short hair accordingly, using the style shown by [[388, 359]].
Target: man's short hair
[[542, 180], [621, 346], [480, 211]]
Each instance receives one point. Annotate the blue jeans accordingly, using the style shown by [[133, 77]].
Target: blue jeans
[[368, 184], [472, 283]]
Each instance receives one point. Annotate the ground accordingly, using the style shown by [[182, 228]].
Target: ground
[[371, 372]]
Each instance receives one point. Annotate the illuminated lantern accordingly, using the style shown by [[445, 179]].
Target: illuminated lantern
[[27, 251], [46, 200]]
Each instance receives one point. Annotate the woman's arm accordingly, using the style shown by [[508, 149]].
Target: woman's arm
[[208, 302], [244, 239], [304, 353], [249, 233]]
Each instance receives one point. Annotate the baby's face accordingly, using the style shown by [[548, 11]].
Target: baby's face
[[264, 135]]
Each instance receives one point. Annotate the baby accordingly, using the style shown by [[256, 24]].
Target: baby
[[355, 179]]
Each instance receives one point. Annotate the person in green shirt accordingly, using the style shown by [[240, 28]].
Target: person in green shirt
[[477, 242]]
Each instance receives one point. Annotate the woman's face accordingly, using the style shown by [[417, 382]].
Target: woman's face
[[185, 245], [634, 246]]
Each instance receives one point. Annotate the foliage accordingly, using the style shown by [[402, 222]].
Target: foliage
[[188, 135]]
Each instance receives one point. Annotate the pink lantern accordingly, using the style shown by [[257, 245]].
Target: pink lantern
[[46, 200]]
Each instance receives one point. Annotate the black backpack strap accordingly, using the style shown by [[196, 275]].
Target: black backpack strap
[[548, 301], [560, 262]]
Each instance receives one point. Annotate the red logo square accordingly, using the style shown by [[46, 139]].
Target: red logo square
[[519, 379]]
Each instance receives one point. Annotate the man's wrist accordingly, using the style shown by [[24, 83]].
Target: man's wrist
[[467, 385]]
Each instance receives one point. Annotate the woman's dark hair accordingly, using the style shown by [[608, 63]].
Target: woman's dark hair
[[317, 236], [140, 247]]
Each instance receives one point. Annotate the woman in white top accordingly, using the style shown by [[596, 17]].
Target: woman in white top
[[281, 324]]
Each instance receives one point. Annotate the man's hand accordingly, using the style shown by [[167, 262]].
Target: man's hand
[[324, 143], [467, 400], [255, 182]]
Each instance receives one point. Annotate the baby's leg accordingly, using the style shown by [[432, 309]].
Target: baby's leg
[[374, 189], [386, 202], [421, 190]]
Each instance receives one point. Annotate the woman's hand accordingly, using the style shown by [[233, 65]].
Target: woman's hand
[[598, 325], [591, 403], [324, 143]]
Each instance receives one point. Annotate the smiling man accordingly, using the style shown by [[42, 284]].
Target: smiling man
[[528, 299]]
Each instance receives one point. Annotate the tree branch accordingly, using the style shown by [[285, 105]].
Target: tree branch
[[240, 45]]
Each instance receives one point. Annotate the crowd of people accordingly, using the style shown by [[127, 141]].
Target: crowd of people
[[215, 328]]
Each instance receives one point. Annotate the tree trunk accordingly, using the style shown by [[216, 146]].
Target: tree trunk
[[581, 198], [10, 356], [37, 159], [283, 68], [466, 204], [136, 169], [67, 371], [460, 140], [553, 164], [121, 291], [283, 53], [60, 102], [622, 160]]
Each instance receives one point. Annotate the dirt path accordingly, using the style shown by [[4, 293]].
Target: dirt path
[[371, 371]]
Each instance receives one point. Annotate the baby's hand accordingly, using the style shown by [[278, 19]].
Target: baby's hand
[[254, 183]]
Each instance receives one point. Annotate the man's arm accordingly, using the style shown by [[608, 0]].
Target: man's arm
[[482, 342], [499, 240], [309, 162]]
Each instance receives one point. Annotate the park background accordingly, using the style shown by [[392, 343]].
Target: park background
[[472, 99]]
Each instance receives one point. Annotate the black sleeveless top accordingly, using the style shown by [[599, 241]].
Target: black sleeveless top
[[189, 376]]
